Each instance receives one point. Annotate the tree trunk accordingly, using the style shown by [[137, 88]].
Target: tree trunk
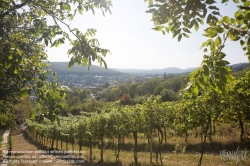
[[151, 145], [210, 129], [80, 146], [90, 150], [72, 142], [135, 148], [241, 130], [57, 143], [196, 133], [214, 132], [46, 144], [186, 136], [67, 143], [165, 134], [61, 143], [102, 146], [158, 151], [52, 143], [118, 147], [202, 128], [204, 143]]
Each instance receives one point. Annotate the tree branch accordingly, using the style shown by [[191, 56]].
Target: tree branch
[[14, 8], [55, 18], [229, 26]]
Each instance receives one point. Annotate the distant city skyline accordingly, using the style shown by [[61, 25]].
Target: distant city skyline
[[128, 34]]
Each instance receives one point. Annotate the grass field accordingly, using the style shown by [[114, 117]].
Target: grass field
[[175, 152]]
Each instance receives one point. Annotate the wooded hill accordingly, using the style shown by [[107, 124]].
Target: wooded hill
[[62, 68]]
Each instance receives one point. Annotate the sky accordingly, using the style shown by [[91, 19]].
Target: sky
[[128, 34]]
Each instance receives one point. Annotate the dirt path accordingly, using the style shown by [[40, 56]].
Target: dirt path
[[26, 151]]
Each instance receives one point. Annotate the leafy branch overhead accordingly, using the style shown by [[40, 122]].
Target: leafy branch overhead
[[27, 27], [36, 13], [180, 17]]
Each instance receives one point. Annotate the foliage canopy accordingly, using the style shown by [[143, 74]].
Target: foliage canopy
[[181, 16], [26, 31]]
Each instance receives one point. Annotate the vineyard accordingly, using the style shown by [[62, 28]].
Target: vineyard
[[152, 123]]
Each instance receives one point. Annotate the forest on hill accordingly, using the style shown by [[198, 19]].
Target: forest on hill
[[62, 68], [83, 77]]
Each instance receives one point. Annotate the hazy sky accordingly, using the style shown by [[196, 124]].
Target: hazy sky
[[128, 34]]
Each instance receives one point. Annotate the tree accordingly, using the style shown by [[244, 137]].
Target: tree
[[24, 35], [165, 75], [168, 95], [238, 102], [132, 90], [125, 99], [179, 17], [114, 94], [158, 90]]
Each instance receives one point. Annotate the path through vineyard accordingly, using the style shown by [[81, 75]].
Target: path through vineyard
[[23, 142]]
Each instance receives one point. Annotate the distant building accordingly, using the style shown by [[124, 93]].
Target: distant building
[[33, 98], [66, 88], [92, 95], [88, 87]]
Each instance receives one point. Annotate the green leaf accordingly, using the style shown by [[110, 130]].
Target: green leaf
[[218, 41], [196, 25], [150, 2], [213, 8], [80, 9], [167, 29], [186, 30], [205, 43], [179, 37], [10, 57], [176, 33], [226, 19], [216, 13], [195, 90], [238, 14], [84, 62], [222, 55], [200, 21], [15, 71], [186, 35], [206, 70], [71, 62], [24, 93], [158, 28], [246, 3], [209, 2], [8, 66], [233, 21], [242, 42], [211, 32], [212, 46]]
